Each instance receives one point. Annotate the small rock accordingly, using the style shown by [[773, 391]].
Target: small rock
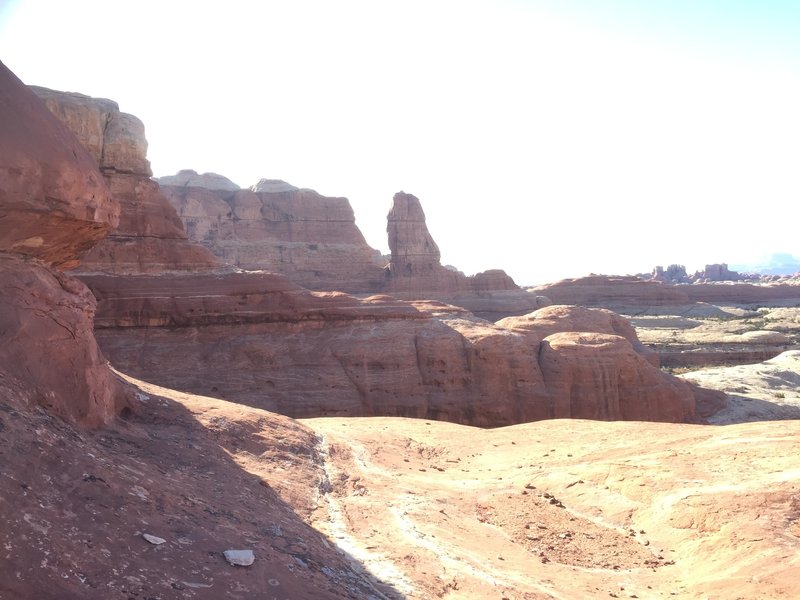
[[154, 539], [240, 558]]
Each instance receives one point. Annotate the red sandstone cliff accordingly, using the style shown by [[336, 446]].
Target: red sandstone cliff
[[314, 241], [257, 339], [54, 206], [149, 237], [276, 227]]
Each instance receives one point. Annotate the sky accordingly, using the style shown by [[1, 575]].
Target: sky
[[550, 138]]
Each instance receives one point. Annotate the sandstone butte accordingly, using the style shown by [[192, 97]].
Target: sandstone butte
[[332, 508], [314, 241]]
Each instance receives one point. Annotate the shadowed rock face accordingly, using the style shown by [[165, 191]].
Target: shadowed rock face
[[48, 354], [53, 206], [149, 237]]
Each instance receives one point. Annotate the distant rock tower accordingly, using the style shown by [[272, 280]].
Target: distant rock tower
[[414, 252]]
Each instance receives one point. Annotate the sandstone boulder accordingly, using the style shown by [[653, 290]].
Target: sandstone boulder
[[48, 353]]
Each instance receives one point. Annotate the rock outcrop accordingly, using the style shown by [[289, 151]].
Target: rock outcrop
[[190, 178], [149, 237], [415, 270], [53, 206], [276, 227], [260, 340], [314, 241]]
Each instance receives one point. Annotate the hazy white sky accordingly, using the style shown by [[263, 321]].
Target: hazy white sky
[[551, 138]]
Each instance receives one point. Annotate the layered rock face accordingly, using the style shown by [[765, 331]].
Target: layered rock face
[[276, 227], [150, 236], [313, 240], [53, 206], [267, 343]]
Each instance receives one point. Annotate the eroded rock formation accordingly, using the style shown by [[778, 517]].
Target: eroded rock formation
[[276, 227], [149, 237], [261, 340], [54, 205], [313, 240]]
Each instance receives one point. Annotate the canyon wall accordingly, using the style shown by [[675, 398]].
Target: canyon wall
[[54, 206], [260, 340], [149, 237], [276, 227], [167, 315]]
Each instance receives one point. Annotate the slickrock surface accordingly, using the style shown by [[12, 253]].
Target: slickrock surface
[[703, 335], [260, 340], [769, 390], [393, 508], [310, 238], [150, 236], [53, 206], [567, 509]]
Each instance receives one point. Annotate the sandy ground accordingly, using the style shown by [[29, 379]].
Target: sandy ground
[[397, 508], [567, 509]]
